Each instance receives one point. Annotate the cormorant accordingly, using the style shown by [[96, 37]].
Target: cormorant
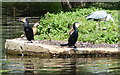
[[73, 35], [28, 30], [34, 29]]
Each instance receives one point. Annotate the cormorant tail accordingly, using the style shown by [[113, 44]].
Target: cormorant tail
[[89, 19], [63, 44]]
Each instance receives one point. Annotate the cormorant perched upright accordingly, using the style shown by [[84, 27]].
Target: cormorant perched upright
[[34, 29], [28, 30], [73, 36]]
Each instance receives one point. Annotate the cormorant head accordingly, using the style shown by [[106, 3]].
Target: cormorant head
[[24, 20], [76, 25]]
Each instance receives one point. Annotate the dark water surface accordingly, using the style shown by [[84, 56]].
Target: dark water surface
[[60, 66]]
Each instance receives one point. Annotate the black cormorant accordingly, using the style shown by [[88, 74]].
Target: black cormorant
[[34, 29], [28, 30], [73, 35]]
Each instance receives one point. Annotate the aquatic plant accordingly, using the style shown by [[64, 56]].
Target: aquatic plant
[[58, 25]]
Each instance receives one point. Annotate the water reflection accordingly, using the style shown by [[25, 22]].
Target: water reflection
[[14, 28], [61, 66]]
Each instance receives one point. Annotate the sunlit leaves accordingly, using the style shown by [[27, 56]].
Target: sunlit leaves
[[58, 26]]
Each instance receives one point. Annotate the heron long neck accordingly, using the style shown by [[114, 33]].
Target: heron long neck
[[108, 17]]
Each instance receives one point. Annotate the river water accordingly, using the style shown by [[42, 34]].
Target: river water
[[13, 65], [18, 65]]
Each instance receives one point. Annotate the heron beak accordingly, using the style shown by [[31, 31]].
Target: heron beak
[[112, 20]]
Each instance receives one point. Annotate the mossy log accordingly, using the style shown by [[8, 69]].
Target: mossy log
[[18, 46]]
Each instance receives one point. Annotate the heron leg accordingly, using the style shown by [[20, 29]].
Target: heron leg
[[49, 36], [98, 25]]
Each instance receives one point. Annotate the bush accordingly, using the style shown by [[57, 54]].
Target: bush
[[58, 26]]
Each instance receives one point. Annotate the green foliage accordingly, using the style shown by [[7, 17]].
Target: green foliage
[[58, 26], [107, 5], [31, 8]]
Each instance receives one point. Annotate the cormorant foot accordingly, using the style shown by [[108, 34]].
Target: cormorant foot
[[63, 44], [72, 46], [75, 46], [29, 42]]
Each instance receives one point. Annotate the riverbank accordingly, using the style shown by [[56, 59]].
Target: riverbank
[[53, 48]]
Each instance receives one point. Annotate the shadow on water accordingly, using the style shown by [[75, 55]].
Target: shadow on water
[[14, 28], [61, 66]]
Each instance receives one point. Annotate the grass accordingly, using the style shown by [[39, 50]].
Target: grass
[[58, 26]]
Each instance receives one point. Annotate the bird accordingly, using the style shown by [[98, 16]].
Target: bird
[[27, 29], [73, 36], [35, 27], [100, 15]]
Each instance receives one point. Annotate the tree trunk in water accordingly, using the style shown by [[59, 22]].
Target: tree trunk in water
[[66, 4], [81, 4]]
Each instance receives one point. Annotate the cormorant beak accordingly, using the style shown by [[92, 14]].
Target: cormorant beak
[[23, 19], [77, 25]]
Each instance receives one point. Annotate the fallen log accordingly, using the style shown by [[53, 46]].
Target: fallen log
[[18, 46]]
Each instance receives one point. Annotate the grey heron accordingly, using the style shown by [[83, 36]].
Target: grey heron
[[100, 15]]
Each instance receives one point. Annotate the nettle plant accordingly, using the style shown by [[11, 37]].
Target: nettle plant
[[58, 25]]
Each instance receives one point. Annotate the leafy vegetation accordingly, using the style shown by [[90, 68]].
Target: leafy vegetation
[[58, 26]]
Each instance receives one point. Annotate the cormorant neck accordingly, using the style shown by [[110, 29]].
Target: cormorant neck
[[75, 28], [26, 23]]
